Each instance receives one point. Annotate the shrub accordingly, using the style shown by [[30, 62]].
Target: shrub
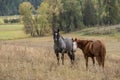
[[14, 20], [1, 21]]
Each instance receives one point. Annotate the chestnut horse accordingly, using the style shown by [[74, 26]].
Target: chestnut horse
[[92, 48]]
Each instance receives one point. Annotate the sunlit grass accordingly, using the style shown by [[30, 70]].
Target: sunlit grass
[[12, 31], [12, 35], [11, 27]]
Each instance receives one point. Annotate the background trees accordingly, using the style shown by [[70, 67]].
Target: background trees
[[35, 21], [42, 19], [71, 18], [11, 7], [25, 10], [112, 12], [70, 15], [40, 16], [89, 17]]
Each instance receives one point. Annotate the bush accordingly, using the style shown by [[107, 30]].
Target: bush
[[14, 20], [1, 21]]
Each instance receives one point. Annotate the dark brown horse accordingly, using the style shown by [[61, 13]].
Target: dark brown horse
[[92, 48]]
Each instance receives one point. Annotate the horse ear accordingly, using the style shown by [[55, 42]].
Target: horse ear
[[75, 39], [72, 39], [58, 30]]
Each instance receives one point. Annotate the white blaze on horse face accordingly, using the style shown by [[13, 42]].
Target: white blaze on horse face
[[74, 46], [56, 34]]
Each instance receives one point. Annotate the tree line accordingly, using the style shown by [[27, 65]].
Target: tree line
[[68, 15], [10, 7]]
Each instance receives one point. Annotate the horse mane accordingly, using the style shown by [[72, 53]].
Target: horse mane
[[83, 43], [62, 37]]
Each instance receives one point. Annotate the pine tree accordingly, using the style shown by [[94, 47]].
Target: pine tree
[[89, 17], [111, 10]]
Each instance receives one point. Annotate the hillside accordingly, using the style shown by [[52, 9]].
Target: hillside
[[111, 31]]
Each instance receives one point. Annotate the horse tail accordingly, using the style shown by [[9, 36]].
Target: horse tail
[[102, 53]]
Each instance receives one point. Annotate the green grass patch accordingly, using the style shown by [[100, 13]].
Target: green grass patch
[[1, 21], [13, 31], [115, 35], [11, 27]]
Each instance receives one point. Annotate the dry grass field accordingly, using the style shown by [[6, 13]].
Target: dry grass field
[[34, 59]]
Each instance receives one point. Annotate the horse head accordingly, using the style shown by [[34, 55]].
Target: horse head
[[56, 35], [74, 44]]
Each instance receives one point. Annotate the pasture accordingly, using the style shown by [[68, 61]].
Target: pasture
[[12, 31], [34, 59], [31, 56]]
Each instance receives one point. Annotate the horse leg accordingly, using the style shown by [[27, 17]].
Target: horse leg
[[70, 56], [73, 57], [57, 55], [98, 60], [86, 59], [103, 60], [62, 57], [93, 61]]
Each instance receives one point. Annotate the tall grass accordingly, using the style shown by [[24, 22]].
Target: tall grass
[[34, 59]]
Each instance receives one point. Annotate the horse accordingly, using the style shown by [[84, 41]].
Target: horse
[[63, 45], [92, 48]]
